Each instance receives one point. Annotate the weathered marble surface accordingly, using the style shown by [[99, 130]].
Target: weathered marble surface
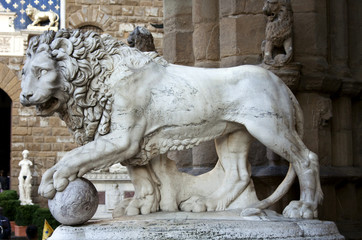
[[125, 106], [211, 225]]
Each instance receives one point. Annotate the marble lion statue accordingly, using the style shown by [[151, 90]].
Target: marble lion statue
[[38, 16], [278, 32], [126, 106]]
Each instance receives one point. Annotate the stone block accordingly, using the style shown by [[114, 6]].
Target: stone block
[[206, 41], [127, 10], [254, 6], [231, 7], [41, 131], [57, 147], [207, 64], [38, 139], [45, 147], [20, 131], [304, 6], [241, 35], [173, 8], [23, 122], [179, 24], [205, 11], [139, 11], [152, 12], [32, 147], [310, 34], [17, 146], [178, 48], [240, 60]]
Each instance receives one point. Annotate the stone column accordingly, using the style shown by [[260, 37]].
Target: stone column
[[178, 30], [205, 18], [342, 132], [317, 111], [242, 27], [357, 133], [338, 32]]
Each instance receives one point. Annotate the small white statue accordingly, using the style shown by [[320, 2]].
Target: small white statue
[[38, 17], [25, 180]]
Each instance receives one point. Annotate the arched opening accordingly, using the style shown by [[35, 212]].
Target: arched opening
[[5, 138], [92, 28]]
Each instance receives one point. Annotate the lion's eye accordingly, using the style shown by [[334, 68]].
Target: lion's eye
[[43, 72]]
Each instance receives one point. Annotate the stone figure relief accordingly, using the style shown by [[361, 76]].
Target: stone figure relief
[[39, 17], [277, 48], [129, 107], [25, 177]]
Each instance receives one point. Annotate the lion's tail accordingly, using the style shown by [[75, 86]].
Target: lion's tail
[[285, 185]]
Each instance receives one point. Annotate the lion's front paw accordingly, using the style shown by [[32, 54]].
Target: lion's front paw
[[46, 188], [55, 179], [300, 209]]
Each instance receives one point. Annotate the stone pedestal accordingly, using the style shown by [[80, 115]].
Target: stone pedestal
[[211, 225]]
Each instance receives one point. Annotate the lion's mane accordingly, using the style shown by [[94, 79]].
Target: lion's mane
[[280, 28], [85, 61]]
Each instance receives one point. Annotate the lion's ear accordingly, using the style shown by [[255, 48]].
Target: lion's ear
[[62, 43]]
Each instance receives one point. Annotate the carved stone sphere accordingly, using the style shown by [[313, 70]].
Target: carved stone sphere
[[76, 204]]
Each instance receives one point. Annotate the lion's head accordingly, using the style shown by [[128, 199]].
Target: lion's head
[[273, 8], [30, 11], [65, 73]]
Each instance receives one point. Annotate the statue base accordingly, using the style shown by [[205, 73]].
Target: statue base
[[209, 225], [41, 28]]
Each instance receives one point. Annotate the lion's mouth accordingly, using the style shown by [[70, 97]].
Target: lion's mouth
[[49, 107]]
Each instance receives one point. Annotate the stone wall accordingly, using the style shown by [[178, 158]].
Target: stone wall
[[117, 17], [327, 44]]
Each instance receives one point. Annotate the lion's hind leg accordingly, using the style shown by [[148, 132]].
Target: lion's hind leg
[[232, 150], [286, 142]]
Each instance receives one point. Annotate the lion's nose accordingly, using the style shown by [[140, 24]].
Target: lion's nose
[[27, 95]]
